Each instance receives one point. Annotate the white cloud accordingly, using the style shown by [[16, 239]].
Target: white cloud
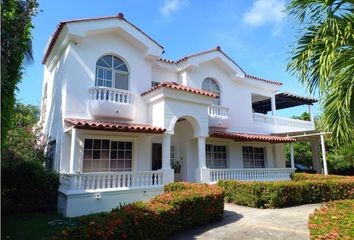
[[265, 11], [170, 6]]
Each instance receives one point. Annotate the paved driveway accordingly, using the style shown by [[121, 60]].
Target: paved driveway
[[251, 223]]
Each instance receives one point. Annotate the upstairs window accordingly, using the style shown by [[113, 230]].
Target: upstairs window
[[211, 85], [111, 72]]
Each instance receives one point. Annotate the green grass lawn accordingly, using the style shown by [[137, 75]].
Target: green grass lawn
[[31, 226]]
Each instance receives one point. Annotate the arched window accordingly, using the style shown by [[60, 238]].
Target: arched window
[[210, 85], [111, 72]]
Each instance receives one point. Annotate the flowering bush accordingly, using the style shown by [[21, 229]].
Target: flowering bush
[[334, 220], [317, 177], [286, 193], [182, 206]]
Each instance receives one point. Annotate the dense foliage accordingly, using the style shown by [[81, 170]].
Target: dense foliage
[[323, 59], [334, 220], [23, 141], [287, 193], [28, 187], [16, 46], [316, 177], [182, 206]]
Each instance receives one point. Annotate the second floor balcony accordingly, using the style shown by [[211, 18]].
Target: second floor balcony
[[282, 122], [111, 103], [218, 116]]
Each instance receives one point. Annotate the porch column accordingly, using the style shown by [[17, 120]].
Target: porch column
[[292, 161], [274, 108], [315, 156], [324, 154], [72, 150], [168, 173], [312, 117], [202, 172]]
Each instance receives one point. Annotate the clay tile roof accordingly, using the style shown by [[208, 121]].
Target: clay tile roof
[[177, 86], [245, 137], [166, 60], [60, 26], [264, 80], [113, 126]]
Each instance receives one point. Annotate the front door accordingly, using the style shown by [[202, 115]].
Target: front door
[[156, 156]]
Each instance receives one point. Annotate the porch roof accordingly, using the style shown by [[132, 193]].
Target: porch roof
[[177, 86], [113, 126], [246, 137], [283, 100]]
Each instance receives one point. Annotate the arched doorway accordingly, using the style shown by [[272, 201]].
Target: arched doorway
[[184, 150]]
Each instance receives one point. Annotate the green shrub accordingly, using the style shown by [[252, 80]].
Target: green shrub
[[28, 187], [316, 177], [181, 207], [286, 193], [334, 220]]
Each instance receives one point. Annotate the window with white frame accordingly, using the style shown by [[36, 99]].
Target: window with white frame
[[50, 154], [211, 85], [112, 72], [172, 155], [104, 155], [215, 156], [253, 157]]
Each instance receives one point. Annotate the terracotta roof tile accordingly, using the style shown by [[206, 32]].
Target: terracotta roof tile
[[62, 24], [113, 126], [264, 80], [177, 86], [245, 137]]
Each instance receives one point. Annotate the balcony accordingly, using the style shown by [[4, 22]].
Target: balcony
[[218, 116], [281, 124], [111, 103]]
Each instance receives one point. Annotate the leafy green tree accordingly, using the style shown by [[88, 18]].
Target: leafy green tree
[[16, 47], [323, 59], [23, 141]]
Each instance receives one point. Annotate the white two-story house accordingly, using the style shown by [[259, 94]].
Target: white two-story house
[[122, 121]]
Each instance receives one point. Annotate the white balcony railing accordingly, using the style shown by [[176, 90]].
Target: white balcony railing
[[111, 94], [251, 174], [111, 103], [218, 116], [110, 180], [274, 120], [215, 110]]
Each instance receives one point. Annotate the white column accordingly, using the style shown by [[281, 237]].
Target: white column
[[202, 172], [201, 152], [72, 150], [312, 117], [273, 105], [168, 173], [292, 161], [324, 155]]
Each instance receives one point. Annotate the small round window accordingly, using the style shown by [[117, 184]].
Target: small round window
[[112, 72]]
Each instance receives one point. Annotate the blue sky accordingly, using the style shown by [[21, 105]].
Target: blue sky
[[256, 34]]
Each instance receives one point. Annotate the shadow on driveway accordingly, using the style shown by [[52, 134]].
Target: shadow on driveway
[[229, 217]]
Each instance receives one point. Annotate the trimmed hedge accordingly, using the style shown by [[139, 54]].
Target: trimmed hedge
[[183, 206], [334, 220], [286, 193], [28, 187], [317, 177]]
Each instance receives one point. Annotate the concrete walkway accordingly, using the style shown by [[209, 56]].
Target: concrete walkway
[[252, 223]]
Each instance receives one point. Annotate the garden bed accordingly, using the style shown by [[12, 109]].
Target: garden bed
[[183, 206], [334, 220], [288, 193]]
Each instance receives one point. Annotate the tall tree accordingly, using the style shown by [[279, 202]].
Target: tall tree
[[323, 59], [16, 47]]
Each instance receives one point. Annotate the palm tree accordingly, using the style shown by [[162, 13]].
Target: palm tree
[[323, 59]]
